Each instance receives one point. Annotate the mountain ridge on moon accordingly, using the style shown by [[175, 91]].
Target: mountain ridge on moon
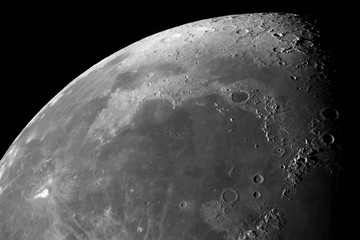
[[163, 140]]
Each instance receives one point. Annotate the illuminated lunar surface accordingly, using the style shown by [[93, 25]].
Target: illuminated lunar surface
[[218, 129]]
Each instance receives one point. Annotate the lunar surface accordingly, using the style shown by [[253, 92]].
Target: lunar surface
[[223, 128]]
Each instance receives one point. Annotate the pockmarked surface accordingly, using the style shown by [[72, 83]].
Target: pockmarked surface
[[218, 129]]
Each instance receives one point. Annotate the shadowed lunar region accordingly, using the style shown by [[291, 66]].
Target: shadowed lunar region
[[224, 128]]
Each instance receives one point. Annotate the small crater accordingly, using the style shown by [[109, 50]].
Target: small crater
[[329, 114], [277, 35], [242, 31], [230, 28], [278, 151], [327, 138], [183, 204], [258, 179], [293, 77], [304, 43], [256, 195], [229, 196], [178, 136], [149, 75], [147, 203], [277, 49], [239, 97]]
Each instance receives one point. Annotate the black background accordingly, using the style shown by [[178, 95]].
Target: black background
[[45, 47]]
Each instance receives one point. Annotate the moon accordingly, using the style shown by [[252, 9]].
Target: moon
[[224, 128]]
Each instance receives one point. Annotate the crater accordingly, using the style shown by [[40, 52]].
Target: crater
[[330, 114], [278, 151], [229, 195], [256, 194], [258, 179], [327, 138], [183, 204], [239, 97]]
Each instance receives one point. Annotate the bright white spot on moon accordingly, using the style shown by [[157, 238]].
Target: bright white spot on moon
[[2, 170], [107, 212], [43, 194], [8, 159], [31, 136], [43, 190], [10, 156], [56, 98]]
